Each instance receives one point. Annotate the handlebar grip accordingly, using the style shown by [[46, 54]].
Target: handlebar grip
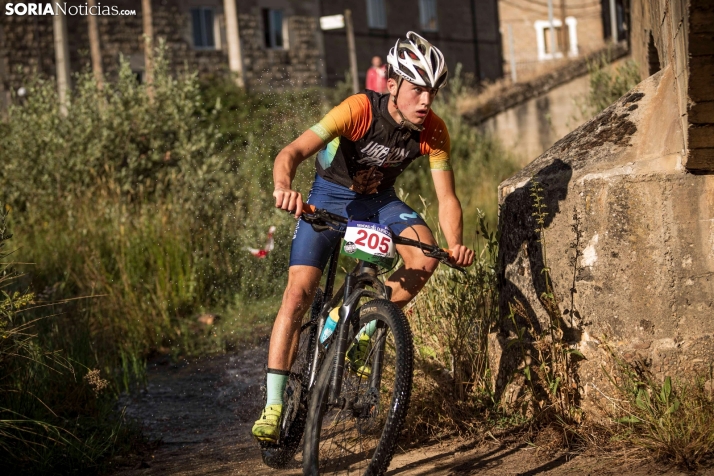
[[307, 208]]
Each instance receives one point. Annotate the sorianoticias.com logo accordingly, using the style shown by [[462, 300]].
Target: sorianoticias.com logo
[[40, 9]]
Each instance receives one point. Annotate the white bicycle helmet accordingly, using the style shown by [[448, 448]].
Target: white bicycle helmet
[[418, 61]]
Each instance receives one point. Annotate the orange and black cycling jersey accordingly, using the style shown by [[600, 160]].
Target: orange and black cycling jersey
[[366, 150]]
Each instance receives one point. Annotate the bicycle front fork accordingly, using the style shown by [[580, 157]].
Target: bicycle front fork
[[349, 302], [341, 342]]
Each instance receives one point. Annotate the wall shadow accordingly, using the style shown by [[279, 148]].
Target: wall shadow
[[519, 241]]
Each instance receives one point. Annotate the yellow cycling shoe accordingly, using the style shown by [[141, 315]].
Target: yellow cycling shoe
[[357, 355], [267, 428]]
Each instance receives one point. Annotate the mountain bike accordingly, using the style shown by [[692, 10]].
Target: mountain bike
[[351, 411]]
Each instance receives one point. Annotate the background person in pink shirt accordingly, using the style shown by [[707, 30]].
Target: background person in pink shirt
[[377, 76]]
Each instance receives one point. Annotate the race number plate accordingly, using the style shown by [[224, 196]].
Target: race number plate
[[370, 242]]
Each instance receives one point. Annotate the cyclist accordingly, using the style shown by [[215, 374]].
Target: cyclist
[[364, 144]]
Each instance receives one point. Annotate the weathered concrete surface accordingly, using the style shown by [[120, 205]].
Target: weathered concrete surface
[[530, 128], [515, 94], [643, 280], [680, 34]]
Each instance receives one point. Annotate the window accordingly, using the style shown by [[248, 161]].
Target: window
[[545, 48], [376, 14], [273, 28], [202, 28], [427, 15]]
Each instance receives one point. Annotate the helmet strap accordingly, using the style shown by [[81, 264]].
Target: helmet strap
[[405, 122]]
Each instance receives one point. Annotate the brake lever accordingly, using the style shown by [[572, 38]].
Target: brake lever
[[443, 257]]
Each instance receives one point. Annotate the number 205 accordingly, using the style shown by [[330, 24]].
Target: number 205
[[371, 240]]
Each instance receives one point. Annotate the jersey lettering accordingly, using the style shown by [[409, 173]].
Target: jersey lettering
[[378, 155]]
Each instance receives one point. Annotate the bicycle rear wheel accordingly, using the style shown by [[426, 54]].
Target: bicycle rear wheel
[[359, 434], [295, 398]]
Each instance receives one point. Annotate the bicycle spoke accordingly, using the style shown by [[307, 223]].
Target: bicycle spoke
[[350, 435]]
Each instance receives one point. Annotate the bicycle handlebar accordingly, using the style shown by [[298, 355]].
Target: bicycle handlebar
[[320, 220]]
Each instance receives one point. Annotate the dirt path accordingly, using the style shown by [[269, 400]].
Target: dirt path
[[202, 411]]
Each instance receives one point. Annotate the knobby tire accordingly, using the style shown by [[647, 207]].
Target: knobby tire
[[320, 454]]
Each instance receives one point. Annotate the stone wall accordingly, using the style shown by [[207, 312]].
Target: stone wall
[[27, 43], [531, 127], [642, 282], [295, 66], [530, 117]]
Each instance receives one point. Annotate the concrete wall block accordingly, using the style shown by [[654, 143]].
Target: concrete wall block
[[647, 229]]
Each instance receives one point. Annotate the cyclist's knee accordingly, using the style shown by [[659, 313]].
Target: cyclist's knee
[[301, 287], [422, 263], [296, 297], [430, 265]]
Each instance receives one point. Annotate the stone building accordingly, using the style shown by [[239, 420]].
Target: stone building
[[279, 40], [465, 30], [630, 224], [580, 28]]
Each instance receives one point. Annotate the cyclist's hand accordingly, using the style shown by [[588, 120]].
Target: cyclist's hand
[[287, 199], [462, 256]]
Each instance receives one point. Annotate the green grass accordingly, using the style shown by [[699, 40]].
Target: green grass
[[56, 413], [673, 419]]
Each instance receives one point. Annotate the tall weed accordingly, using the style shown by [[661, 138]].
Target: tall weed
[[56, 411], [451, 319], [548, 355], [672, 419]]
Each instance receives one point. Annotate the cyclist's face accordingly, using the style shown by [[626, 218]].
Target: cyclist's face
[[413, 101]]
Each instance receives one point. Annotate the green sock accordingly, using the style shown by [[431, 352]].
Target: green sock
[[370, 328], [276, 380]]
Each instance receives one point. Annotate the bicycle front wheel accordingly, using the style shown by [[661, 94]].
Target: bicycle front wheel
[[358, 433]]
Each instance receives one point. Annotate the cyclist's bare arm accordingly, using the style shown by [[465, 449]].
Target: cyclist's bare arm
[[286, 164], [450, 216]]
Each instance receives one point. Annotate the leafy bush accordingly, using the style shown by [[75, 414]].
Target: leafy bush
[[149, 202]]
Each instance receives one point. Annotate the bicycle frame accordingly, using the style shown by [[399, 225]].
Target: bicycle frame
[[364, 274], [354, 288]]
